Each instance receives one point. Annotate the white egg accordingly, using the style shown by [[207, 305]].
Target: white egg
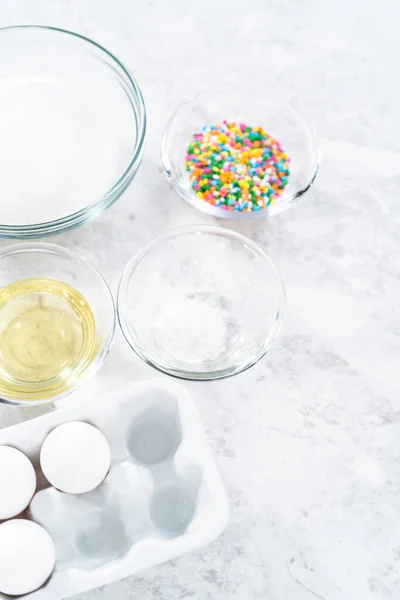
[[17, 482], [27, 557], [75, 457]]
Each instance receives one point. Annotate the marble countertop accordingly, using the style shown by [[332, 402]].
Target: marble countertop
[[306, 441]]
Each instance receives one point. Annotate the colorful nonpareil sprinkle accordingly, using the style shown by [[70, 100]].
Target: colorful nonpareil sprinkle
[[237, 167]]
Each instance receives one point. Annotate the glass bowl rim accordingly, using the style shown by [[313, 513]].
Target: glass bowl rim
[[149, 357], [112, 194], [192, 198], [56, 249]]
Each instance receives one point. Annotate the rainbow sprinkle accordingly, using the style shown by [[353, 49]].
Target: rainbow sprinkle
[[237, 167]]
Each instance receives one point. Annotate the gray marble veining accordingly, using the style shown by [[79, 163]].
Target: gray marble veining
[[306, 441]]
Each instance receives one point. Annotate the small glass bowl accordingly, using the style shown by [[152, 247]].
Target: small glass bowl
[[281, 121], [42, 260], [201, 303], [72, 128]]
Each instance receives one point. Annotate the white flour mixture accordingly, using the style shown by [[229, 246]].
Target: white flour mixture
[[58, 153], [191, 331]]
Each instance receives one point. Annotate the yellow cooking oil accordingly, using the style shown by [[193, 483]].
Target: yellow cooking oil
[[47, 337]]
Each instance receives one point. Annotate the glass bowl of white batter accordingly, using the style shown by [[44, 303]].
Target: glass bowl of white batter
[[72, 127], [201, 302]]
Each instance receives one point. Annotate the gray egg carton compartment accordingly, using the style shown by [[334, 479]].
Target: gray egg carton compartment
[[162, 497]]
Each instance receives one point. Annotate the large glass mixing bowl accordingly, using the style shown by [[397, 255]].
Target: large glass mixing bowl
[[72, 126]]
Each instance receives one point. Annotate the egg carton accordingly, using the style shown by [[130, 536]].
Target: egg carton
[[162, 497]]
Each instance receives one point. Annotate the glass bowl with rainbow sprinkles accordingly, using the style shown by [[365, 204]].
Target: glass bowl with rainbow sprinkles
[[238, 156]]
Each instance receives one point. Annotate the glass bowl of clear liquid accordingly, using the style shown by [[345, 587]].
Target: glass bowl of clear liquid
[[201, 302], [72, 127], [57, 322]]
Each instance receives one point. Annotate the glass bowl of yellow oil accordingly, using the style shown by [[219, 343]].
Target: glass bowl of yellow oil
[[57, 322]]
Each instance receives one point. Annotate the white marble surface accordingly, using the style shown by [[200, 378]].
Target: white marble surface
[[306, 441]]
